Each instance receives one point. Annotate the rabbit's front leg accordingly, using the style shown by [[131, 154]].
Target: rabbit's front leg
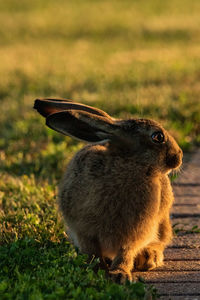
[[122, 265], [149, 258], [152, 255]]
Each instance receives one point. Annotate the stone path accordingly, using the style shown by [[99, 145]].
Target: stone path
[[179, 278]]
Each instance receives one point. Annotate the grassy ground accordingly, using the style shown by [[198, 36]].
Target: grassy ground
[[130, 58]]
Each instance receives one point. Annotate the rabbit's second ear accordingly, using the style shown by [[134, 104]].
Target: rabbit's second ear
[[49, 106], [81, 125]]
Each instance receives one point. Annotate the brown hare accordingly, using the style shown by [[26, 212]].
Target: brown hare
[[115, 195]]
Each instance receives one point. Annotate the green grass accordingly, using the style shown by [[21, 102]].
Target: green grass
[[53, 270], [179, 228], [130, 58]]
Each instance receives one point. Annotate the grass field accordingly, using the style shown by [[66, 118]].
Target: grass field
[[130, 58]]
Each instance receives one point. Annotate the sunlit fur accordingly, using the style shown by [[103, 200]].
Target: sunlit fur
[[116, 196]]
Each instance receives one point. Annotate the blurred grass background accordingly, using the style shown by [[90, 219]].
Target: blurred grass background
[[130, 58]]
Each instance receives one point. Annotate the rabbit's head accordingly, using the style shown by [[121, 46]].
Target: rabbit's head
[[148, 141], [151, 143]]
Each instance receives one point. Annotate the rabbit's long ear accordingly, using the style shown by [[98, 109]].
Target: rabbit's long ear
[[49, 106], [82, 125]]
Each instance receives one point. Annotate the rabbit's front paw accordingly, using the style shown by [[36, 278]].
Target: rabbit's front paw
[[120, 276], [148, 259]]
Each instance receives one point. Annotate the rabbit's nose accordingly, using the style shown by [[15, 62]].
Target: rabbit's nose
[[174, 160]]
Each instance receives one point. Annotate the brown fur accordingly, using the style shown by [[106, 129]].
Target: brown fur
[[116, 196]]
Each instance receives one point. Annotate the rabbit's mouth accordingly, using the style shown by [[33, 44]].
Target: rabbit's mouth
[[174, 161]]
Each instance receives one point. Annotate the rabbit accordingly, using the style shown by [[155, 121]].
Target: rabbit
[[116, 195]]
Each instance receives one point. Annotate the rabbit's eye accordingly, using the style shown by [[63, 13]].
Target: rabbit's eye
[[158, 137]]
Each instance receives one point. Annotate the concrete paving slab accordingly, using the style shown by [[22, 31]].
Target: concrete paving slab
[[181, 190], [168, 276], [186, 209], [177, 289], [191, 200], [181, 254], [191, 265], [186, 241]]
